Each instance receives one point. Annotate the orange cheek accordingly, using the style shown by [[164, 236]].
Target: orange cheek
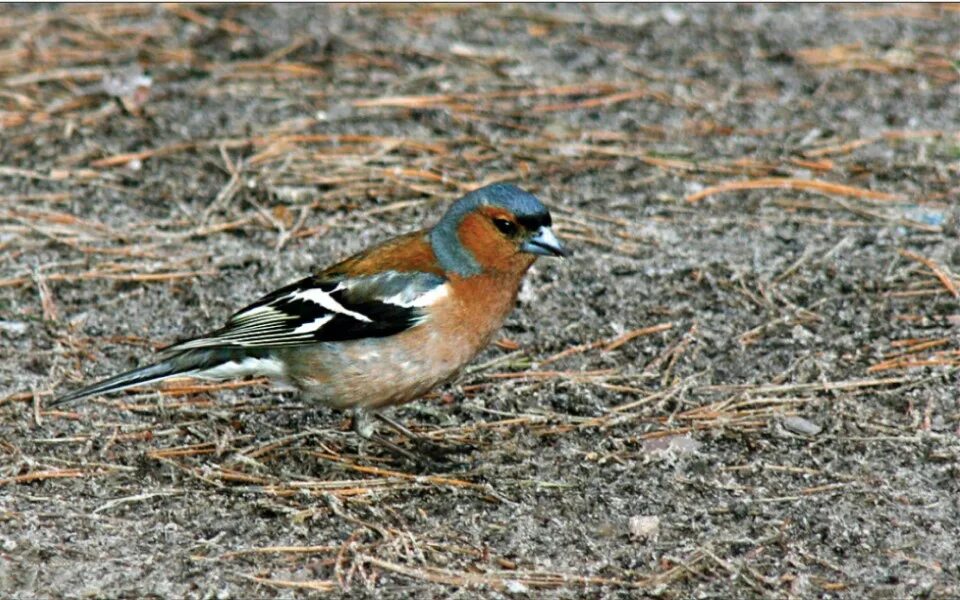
[[488, 246]]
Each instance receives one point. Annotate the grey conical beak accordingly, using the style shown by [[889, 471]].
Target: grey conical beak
[[545, 243]]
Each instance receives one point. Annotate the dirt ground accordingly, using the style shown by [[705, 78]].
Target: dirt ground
[[743, 384]]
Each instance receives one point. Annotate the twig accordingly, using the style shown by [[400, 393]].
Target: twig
[[132, 499], [608, 345], [320, 585], [42, 475], [806, 185], [933, 266], [500, 580], [94, 275]]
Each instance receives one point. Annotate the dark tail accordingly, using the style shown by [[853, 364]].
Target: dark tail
[[187, 363]]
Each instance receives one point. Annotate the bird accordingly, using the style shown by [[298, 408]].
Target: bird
[[382, 327]]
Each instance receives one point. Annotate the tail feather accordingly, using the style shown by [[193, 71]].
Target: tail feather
[[212, 363], [148, 374]]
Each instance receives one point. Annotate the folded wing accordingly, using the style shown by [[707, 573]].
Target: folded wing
[[318, 309]]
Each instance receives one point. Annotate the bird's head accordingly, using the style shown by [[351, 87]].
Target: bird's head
[[495, 228]]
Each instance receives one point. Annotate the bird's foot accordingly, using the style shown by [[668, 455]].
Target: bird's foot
[[436, 451], [426, 454], [423, 444]]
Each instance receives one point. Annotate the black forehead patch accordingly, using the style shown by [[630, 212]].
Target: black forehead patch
[[532, 222]]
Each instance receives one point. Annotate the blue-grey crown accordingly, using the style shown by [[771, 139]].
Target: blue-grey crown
[[529, 211]]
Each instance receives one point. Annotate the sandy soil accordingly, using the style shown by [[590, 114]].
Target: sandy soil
[[743, 384]]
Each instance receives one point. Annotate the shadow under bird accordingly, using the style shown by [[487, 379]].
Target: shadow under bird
[[384, 326]]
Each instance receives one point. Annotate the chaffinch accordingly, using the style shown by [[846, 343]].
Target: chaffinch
[[384, 326]]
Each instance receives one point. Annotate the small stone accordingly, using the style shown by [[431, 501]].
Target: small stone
[[801, 333], [672, 16], [800, 426], [14, 328], [680, 445], [644, 527], [126, 82]]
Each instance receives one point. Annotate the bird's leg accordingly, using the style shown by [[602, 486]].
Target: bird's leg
[[399, 427], [423, 444], [363, 427]]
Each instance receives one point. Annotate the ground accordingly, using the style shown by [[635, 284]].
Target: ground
[[743, 384]]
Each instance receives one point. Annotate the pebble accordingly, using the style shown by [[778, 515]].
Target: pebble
[[644, 527], [14, 328], [801, 426], [680, 445]]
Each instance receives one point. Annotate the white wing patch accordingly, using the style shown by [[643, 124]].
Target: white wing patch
[[423, 300], [313, 325], [318, 296]]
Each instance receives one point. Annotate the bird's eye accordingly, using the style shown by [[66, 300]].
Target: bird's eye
[[506, 227]]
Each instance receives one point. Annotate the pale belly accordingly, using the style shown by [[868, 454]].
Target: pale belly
[[374, 373]]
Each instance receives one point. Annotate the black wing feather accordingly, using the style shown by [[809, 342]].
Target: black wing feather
[[315, 309]]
